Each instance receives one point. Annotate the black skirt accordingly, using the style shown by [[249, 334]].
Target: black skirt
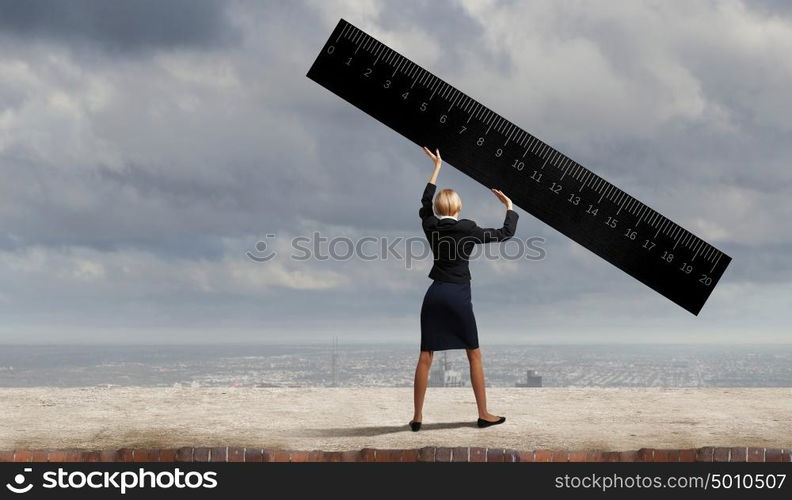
[[447, 320]]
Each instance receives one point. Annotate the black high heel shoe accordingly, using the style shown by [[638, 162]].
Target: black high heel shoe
[[486, 423], [415, 426]]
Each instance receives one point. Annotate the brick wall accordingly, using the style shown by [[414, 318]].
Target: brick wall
[[426, 454]]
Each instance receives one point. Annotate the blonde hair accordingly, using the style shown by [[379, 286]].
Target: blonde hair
[[447, 202]]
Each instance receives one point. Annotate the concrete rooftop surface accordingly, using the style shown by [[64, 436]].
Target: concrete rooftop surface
[[332, 419]]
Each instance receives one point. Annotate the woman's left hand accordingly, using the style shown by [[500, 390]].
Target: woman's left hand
[[434, 156]]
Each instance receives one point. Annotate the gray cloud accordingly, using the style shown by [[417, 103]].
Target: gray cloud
[[120, 26]]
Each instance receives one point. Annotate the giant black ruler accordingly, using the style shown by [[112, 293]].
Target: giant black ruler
[[538, 178]]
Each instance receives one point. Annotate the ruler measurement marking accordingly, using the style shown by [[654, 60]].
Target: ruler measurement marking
[[510, 134], [535, 141], [468, 105], [406, 68], [608, 191], [452, 103], [613, 194], [355, 38], [448, 92], [342, 33], [696, 249], [716, 263], [441, 88], [530, 142], [583, 183], [425, 78]]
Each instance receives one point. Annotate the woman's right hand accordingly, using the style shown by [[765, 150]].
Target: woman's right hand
[[503, 198], [434, 156]]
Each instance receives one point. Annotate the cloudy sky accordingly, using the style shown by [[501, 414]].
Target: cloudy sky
[[146, 147]]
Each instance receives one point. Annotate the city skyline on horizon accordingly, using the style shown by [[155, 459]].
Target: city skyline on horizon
[[372, 365]]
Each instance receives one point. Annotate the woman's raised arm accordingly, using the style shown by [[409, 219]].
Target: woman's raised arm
[[488, 234], [438, 162], [429, 190]]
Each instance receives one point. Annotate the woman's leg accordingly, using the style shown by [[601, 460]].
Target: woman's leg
[[477, 381], [421, 381]]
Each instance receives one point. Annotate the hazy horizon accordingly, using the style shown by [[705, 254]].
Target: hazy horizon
[[364, 365]]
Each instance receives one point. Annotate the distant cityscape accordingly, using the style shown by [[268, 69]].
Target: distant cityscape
[[357, 365]]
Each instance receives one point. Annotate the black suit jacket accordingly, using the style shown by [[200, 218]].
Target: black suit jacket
[[452, 241]]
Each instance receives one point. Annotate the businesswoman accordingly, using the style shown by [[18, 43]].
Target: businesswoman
[[447, 320]]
